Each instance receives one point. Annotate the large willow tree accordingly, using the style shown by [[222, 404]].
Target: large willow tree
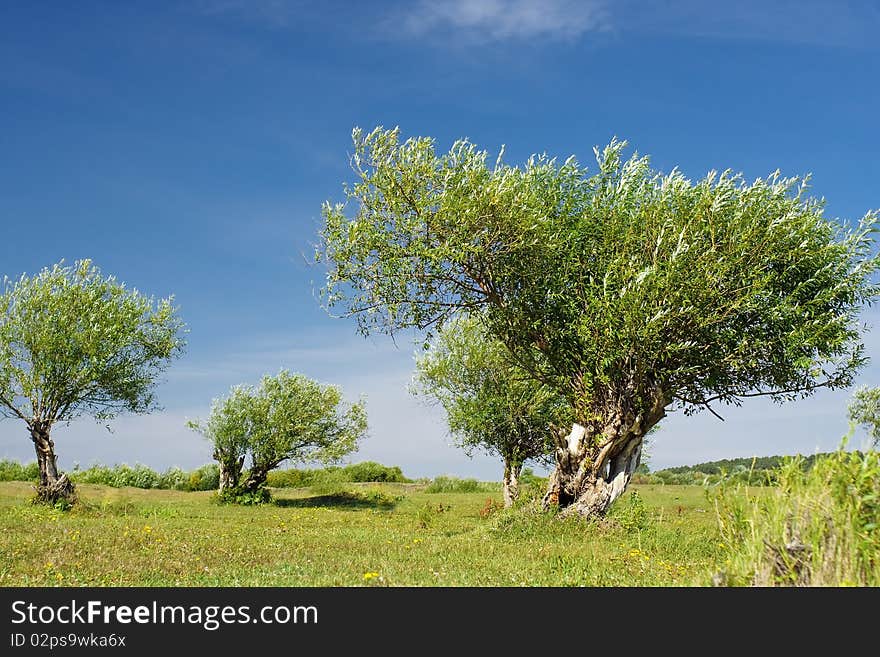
[[630, 292]]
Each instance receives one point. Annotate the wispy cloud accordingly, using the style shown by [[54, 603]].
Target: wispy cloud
[[500, 20]]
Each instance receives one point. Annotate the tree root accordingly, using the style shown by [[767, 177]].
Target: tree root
[[62, 489]]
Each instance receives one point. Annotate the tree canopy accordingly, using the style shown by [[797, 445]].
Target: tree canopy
[[75, 342], [627, 290], [285, 417]]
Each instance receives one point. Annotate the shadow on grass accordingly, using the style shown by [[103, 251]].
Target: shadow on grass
[[343, 499]]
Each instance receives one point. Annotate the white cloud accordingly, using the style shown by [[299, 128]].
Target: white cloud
[[497, 20]]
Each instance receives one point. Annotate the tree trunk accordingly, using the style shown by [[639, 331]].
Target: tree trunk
[[230, 472], [53, 486], [256, 479], [594, 464], [512, 471]]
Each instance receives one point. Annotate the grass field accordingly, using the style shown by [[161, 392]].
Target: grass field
[[367, 535]]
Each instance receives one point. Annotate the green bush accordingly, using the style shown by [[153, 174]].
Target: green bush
[[817, 527], [139, 476], [367, 471], [253, 498], [290, 478], [174, 479], [14, 471], [330, 481], [446, 484], [205, 478], [631, 513], [528, 478]]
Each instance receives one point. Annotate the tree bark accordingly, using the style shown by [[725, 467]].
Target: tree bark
[[230, 472], [256, 479], [512, 470], [53, 486], [595, 462]]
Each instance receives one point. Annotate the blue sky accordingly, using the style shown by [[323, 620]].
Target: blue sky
[[187, 147]]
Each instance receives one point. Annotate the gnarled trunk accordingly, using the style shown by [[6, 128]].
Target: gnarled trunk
[[594, 464], [53, 486], [256, 479], [230, 472], [510, 489]]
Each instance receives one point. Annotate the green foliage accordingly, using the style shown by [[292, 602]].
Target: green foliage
[[293, 477], [447, 484], [75, 342], [490, 402], [625, 288], [430, 512], [173, 479], [754, 471], [138, 476], [15, 471], [118, 476], [366, 471], [817, 527], [528, 478], [285, 417], [328, 482], [631, 513], [370, 471], [864, 410], [244, 497], [206, 477]]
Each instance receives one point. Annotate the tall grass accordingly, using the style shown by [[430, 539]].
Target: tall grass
[[817, 527]]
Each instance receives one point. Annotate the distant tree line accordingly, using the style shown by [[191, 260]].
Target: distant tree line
[[758, 470]]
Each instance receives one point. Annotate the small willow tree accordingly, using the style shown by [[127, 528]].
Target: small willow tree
[[285, 417], [864, 411], [629, 292], [491, 404], [72, 343]]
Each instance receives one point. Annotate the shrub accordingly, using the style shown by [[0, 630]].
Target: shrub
[[174, 479], [818, 527], [446, 484], [330, 481], [139, 476], [631, 513], [14, 471], [206, 477], [528, 478], [372, 471], [291, 478], [366, 471], [250, 498]]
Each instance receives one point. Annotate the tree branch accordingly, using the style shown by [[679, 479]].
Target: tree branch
[[9, 405]]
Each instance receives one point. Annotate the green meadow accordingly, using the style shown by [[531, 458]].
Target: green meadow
[[387, 534]]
